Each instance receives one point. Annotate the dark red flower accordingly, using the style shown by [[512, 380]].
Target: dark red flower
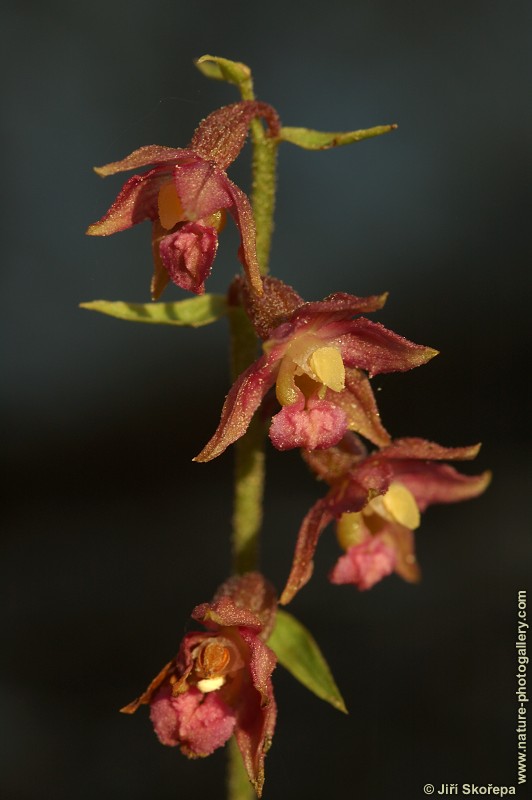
[[316, 357], [186, 195], [376, 501], [220, 681]]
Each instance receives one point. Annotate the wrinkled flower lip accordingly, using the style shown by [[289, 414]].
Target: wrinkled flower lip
[[365, 564], [318, 425]]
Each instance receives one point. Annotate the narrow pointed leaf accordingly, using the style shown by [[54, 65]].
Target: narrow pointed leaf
[[223, 69], [298, 652], [196, 311], [318, 140]]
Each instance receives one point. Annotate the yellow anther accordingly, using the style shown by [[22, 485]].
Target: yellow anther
[[348, 530], [213, 659], [401, 505], [327, 365], [169, 205]]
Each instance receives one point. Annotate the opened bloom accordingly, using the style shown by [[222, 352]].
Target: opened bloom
[[220, 681], [316, 355], [376, 502], [186, 195]]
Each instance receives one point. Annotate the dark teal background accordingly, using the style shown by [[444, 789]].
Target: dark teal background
[[113, 535]]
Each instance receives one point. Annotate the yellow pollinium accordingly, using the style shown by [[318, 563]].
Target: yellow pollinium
[[327, 365], [397, 505], [169, 206], [349, 530], [401, 505]]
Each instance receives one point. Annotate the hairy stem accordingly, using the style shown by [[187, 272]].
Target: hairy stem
[[249, 450], [238, 785], [263, 191], [249, 457]]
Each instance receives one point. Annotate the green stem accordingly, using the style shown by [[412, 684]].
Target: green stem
[[249, 457], [264, 181], [238, 785], [249, 450], [263, 190]]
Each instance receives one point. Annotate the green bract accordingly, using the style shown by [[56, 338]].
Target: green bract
[[319, 140], [299, 653], [222, 69], [196, 311]]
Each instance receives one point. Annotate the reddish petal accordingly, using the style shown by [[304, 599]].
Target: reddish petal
[[242, 402], [202, 188], [339, 306], [422, 449], [188, 254], [348, 498], [225, 613], [374, 474], [221, 136], [149, 154], [359, 405], [242, 213], [254, 730], [147, 695], [365, 564], [404, 541], [198, 723], [322, 424], [269, 310], [438, 483], [136, 202], [261, 664], [253, 592], [333, 464], [372, 347], [179, 666], [256, 710]]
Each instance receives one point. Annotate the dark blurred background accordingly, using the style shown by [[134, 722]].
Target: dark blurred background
[[113, 535]]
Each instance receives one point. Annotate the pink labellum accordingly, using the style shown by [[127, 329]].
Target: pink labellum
[[188, 254], [320, 425], [365, 564], [198, 723]]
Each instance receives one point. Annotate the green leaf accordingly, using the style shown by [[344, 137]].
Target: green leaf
[[318, 140], [195, 311], [222, 69], [298, 652]]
